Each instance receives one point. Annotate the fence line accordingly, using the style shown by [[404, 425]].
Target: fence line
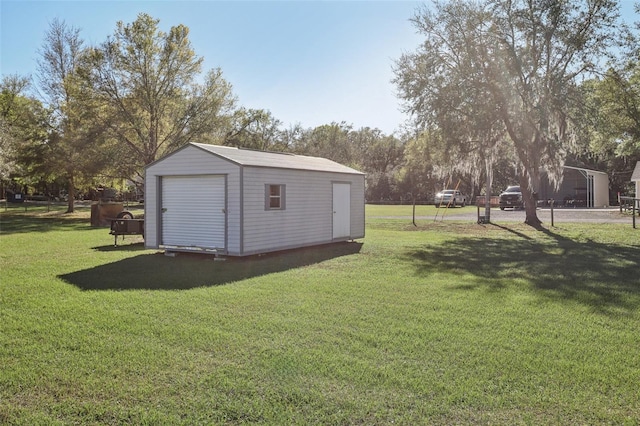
[[630, 203]]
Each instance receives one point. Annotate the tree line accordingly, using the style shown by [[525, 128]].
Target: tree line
[[499, 92]]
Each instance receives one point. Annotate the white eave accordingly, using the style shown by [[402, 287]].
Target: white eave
[[636, 173], [587, 171]]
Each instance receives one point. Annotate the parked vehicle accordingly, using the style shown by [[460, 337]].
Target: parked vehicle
[[511, 197], [451, 197]]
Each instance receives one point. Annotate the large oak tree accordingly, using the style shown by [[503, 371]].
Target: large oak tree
[[72, 150], [525, 57], [24, 126], [149, 81]]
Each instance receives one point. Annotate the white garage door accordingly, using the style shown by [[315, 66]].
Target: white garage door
[[193, 211]]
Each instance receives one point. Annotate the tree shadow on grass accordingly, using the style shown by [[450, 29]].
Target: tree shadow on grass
[[15, 223], [603, 276], [186, 271]]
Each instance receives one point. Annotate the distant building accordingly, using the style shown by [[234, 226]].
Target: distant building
[[635, 177], [580, 188]]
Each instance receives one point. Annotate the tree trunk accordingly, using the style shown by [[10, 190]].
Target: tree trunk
[[530, 203], [531, 213], [414, 211], [487, 191], [71, 190]]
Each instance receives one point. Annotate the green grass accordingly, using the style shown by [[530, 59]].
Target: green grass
[[441, 323], [429, 210]]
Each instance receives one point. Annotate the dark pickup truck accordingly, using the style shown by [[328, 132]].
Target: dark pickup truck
[[511, 197]]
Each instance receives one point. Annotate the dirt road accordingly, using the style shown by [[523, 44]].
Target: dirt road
[[609, 215]]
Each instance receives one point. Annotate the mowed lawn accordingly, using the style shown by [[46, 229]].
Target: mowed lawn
[[443, 323]]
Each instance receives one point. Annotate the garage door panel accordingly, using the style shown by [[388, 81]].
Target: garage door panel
[[193, 211]]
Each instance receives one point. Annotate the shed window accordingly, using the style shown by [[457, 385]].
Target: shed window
[[274, 197]]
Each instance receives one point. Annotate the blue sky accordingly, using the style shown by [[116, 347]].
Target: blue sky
[[308, 62]]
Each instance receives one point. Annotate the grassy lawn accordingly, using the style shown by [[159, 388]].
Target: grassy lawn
[[428, 210], [437, 324]]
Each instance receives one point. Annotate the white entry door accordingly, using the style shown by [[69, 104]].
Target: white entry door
[[341, 210], [193, 211]]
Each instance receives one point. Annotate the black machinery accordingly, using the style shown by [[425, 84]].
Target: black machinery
[[126, 227]]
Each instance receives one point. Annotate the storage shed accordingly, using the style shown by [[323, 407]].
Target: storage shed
[[239, 202], [580, 188]]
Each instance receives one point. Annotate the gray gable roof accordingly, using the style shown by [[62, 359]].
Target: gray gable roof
[[281, 160], [636, 172]]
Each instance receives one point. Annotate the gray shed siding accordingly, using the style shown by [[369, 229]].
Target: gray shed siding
[[191, 161], [307, 217]]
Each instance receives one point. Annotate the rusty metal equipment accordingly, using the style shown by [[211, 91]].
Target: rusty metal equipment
[[126, 227], [102, 213]]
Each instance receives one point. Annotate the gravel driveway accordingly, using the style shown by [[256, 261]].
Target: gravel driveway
[[609, 215]]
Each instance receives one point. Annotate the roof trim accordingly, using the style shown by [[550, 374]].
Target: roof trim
[[222, 157], [582, 169], [166, 156], [275, 160]]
